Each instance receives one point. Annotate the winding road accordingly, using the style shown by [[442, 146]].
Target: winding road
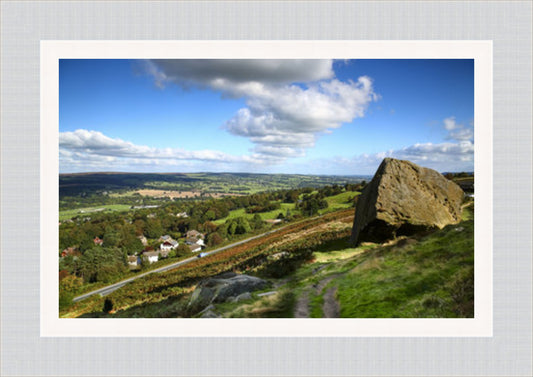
[[113, 287]]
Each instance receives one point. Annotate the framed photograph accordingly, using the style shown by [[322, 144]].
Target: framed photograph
[[156, 122], [194, 182]]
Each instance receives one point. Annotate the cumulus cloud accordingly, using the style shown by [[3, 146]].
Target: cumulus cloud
[[227, 73], [457, 154], [458, 132], [443, 153], [464, 134], [439, 156], [450, 124], [291, 115], [290, 103], [96, 150]]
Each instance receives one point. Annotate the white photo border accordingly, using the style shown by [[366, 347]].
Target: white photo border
[[53, 326]]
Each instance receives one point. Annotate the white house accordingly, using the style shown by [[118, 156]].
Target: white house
[[195, 248], [134, 261], [169, 245], [151, 256], [194, 241]]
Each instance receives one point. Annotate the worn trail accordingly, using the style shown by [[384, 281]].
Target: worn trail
[[330, 308]]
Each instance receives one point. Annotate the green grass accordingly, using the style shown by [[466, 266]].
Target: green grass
[[341, 201], [316, 303], [279, 305], [264, 215], [468, 212], [70, 213], [336, 255], [336, 202], [430, 278], [232, 214]]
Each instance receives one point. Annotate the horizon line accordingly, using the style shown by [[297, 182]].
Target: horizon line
[[208, 172], [230, 172]]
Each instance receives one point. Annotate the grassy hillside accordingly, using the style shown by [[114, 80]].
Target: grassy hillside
[[424, 276], [341, 201], [264, 215], [427, 276], [70, 213], [336, 202], [430, 277]]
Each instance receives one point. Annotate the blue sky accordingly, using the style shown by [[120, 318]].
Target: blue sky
[[265, 116]]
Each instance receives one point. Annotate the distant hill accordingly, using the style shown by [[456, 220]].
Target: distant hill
[[89, 183]]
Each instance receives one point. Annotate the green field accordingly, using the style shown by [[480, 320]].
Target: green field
[[336, 202], [264, 215], [68, 214], [341, 201]]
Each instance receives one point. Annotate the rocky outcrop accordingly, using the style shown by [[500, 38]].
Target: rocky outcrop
[[222, 288], [403, 198]]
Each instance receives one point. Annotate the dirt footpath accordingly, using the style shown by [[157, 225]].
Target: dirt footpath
[[330, 308]]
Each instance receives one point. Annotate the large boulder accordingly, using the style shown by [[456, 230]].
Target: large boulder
[[403, 198], [223, 288]]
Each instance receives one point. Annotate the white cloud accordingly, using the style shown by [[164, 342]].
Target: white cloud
[[458, 132], [440, 154], [441, 157], [290, 103], [455, 155], [450, 124], [462, 134], [93, 150]]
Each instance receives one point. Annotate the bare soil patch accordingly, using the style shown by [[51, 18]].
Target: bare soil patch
[[302, 306], [168, 193], [331, 307], [180, 194]]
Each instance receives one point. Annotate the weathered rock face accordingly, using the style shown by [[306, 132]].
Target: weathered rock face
[[403, 198], [223, 288]]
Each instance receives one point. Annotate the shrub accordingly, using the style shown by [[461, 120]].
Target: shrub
[[287, 264], [214, 239], [108, 305]]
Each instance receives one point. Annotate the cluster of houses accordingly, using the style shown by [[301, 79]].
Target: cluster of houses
[[193, 239]]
